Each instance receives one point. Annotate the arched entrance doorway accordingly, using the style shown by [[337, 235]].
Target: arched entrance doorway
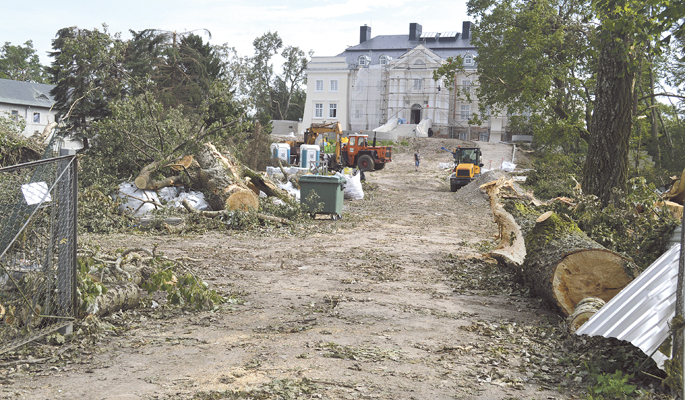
[[415, 114]]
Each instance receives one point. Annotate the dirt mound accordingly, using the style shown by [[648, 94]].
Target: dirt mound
[[472, 194]]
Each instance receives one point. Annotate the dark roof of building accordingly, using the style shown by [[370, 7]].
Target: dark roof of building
[[446, 44], [25, 93]]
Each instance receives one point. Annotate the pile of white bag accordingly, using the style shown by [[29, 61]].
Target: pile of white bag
[[140, 202]]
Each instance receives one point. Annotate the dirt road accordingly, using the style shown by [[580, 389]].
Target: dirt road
[[392, 302]]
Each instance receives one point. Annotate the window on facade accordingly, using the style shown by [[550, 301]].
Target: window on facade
[[36, 118], [319, 85], [417, 84], [332, 110], [419, 62], [318, 110], [358, 111], [362, 60], [334, 85], [466, 86], [383, 60], [15, 115], [465, 112], [468, 59]]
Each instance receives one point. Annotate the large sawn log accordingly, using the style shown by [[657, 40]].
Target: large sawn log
[[221, 177], [565, 266], [551, 255]]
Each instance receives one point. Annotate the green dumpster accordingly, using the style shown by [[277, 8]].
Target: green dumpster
[[329, 190]]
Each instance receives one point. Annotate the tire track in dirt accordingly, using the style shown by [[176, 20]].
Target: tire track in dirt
[[358, 309]]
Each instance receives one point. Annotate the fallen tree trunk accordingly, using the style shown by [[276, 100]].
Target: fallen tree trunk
[[511, 250], [221, 177], [551, 255], [564, 266], [215, 214], [122, 297], [266, 186]]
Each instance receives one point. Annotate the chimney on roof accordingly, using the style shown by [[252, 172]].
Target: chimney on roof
[[466, 30], [414, 31], [364, 33]]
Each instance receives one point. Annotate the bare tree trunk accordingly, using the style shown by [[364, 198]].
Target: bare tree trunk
[[655, 130], [606, 165]]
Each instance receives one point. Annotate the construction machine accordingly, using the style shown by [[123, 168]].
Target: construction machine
[[675, 190], [467, 164], [310, 136], [356, 151]]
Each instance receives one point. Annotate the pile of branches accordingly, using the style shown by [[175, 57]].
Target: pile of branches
[[111, 282]]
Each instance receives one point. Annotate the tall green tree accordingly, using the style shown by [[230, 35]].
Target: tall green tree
[[628, 30], [21, 63], [87, 69], [535, 58], [287, 92], [260, 73]]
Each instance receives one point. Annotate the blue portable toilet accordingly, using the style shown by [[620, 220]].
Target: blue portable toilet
[[280, 150], [309, 155]]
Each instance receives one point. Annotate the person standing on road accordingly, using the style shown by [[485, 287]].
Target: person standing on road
[[417, 159]]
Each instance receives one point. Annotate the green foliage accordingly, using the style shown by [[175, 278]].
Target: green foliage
[[294, 211], [632, 223], [14, 147], [21, 63], [276, 96], [98, 212], [88, 286], [186, 290], [553, 174], [611, 386], [535, 58], [86, 71]]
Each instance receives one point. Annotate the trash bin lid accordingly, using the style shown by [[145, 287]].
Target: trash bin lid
[[335, 179]]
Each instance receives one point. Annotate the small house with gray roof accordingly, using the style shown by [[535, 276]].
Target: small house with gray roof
[[385, 83], [29, 101]]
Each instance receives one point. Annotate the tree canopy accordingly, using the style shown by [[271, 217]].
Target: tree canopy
[[21, 63], [567, 71]]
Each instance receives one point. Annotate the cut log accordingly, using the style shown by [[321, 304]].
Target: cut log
[[585, 309], [675, 209], [550, 254], [221, 177], [511, 250], [122, 297], [564, 266]]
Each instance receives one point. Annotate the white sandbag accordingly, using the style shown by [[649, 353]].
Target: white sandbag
[[137, 201], [507, 166], [353, 187], [196, 199], [168, 196]]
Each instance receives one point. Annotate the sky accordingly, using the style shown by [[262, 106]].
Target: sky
[[327, 27]]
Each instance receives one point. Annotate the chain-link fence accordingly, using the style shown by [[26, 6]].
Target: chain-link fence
[[37, 249]]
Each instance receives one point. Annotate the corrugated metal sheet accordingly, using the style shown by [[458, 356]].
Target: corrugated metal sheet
[[640, 313]]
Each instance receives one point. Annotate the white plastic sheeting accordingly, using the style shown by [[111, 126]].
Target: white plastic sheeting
[[640, 313], [423, 126], [388, 126], [288, 187]]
